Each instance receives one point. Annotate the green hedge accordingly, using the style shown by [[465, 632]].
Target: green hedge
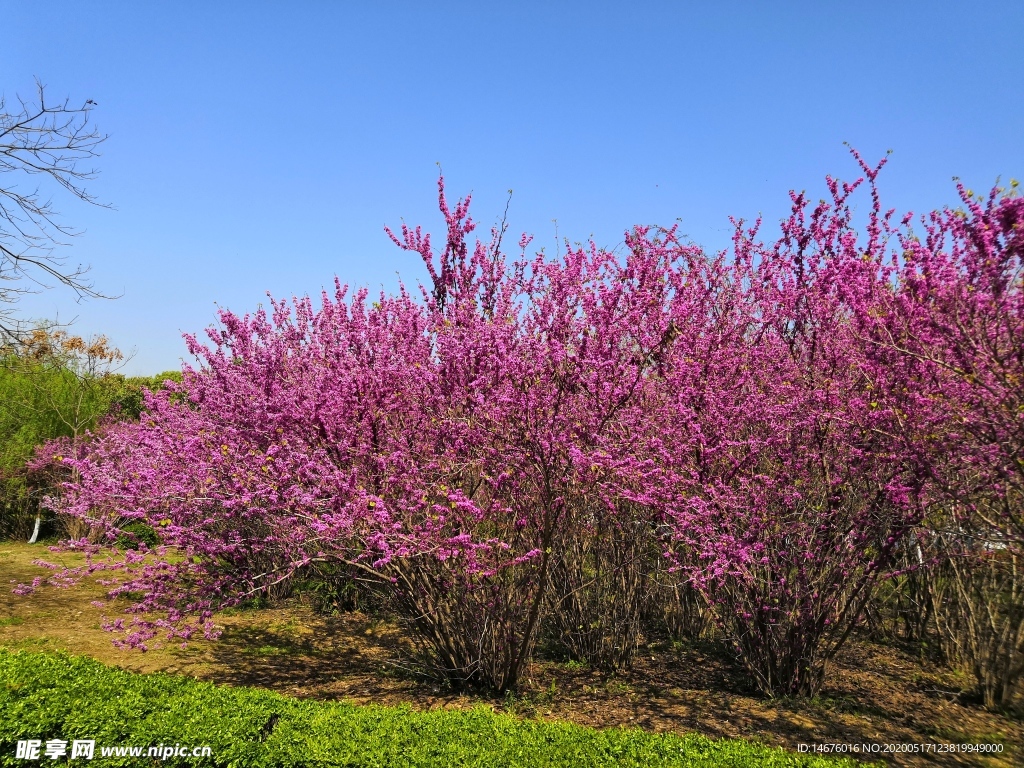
[[47, 696]]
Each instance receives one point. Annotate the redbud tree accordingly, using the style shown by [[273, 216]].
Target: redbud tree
[[773, 464], [438, 445], [482, 447], [954, 329]]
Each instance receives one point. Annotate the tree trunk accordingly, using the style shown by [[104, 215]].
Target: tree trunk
[[35, 530]]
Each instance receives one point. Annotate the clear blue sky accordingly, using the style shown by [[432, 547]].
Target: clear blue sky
[[263, 146]]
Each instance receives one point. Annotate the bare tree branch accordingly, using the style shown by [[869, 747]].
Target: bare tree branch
[[56, 143]]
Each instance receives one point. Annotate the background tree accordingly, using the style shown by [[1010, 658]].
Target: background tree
[[54, 143], [55, 386]]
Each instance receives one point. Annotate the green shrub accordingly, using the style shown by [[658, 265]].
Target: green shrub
[[135, 533], [46, 696]]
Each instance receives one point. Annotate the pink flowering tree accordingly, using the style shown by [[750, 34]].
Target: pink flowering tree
[[545, 362], [785, 496], [954, 329], [438, 445], [265, 460], [956, 324]]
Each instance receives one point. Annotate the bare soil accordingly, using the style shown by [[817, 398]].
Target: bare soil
[[874, 693]]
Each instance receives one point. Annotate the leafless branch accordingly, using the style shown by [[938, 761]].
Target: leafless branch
[[54, 142]]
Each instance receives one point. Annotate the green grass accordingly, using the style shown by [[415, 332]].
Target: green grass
[[50, 695], [31, 642]]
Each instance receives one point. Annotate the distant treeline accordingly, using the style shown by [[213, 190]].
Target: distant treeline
[[56, 385]]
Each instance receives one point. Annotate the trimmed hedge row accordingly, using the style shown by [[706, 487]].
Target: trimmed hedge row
[[47, 696]]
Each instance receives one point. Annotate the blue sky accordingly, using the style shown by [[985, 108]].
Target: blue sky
[[262, 147]]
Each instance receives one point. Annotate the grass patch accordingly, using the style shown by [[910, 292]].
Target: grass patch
[[50, 695], [270, 650], [11, 621], [32, 642]]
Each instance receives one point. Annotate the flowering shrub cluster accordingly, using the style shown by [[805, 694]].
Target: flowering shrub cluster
[[952, 337], [521, 445]]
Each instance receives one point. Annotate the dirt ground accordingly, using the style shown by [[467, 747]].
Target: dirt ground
[[874, 693]]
